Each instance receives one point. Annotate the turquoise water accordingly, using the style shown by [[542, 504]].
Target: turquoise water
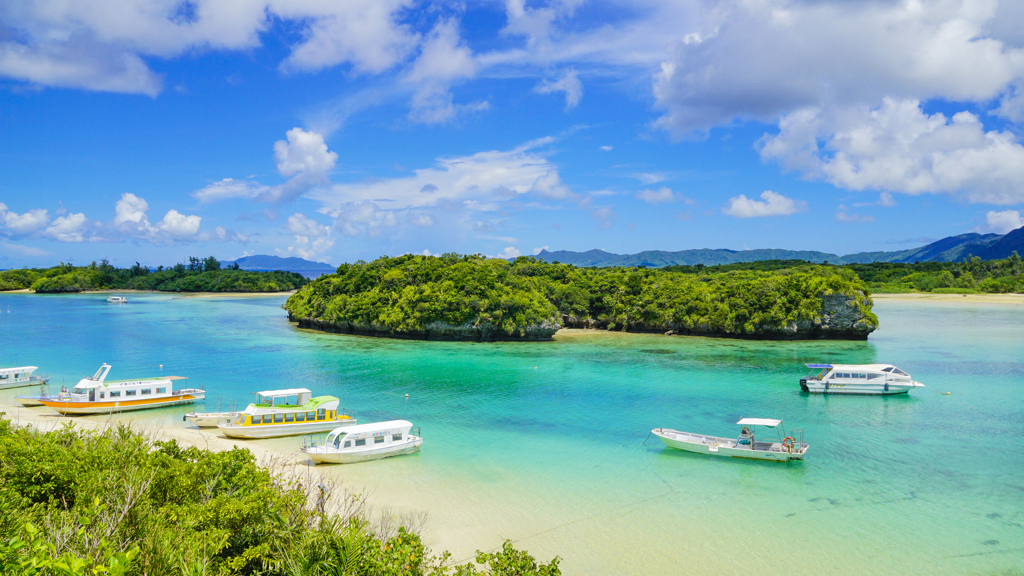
[[544, 443]]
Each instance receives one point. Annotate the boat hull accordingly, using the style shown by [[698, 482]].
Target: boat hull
[[69, 408], [715, 446], [31, 382], [209, 419], [320, 455], [890, 389], [29, 401], [232, 430]]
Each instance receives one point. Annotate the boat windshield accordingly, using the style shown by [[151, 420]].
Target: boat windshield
[[337, 441]]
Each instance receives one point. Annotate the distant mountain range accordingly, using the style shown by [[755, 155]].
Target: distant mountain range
[[985, 246], [266, 262]]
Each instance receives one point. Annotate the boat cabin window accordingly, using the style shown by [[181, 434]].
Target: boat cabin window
[[300, 417], [3, 376], [378, 440], [310, 416], [348, 444], [396, 437], [321, 414], [289, 417], [361, 442], [78, 391], [115, 394], [147, 391], [889, 369], [129, 392], [900, 372], [101, 394], [278, 418], [337, 441], [161, 390], [873, 376]]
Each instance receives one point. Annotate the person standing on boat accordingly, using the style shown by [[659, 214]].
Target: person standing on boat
[[746, 438]]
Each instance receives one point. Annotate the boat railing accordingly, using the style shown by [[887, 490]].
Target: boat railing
[[310, 441], [797, 434], [419, 434]]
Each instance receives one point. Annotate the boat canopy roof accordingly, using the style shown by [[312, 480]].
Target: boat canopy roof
[[373, 427], [21, 369], [288, 392], [874, 367], [759, 422]]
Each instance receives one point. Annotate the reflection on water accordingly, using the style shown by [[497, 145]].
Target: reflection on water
[[547, 443]]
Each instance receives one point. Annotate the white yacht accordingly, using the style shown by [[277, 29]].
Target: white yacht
[[878, 379], [21, 377], [746, 445], [363, 442], [117, 300], [286, 413]]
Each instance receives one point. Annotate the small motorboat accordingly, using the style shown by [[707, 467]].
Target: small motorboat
[[212, 419], [30, 401], [117, 300], [872, 379], [746, 445], [363, 442]]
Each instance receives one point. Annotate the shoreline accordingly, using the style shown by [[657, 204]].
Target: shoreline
[[269, 454], [133, 291], [963, 298]]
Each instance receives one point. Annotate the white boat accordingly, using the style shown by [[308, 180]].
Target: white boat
[[363, 442], [746, 445], [94, 395], [117, 300], [881, 379], [211, 419], [21, 377], [286, 413]]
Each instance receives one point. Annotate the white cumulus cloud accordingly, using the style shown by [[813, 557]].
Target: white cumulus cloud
[[1000, 222], [659, 196], [771, 204], [899, 148], [569, 84]]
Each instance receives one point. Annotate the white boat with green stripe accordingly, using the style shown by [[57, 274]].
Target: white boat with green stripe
[[287, 412]]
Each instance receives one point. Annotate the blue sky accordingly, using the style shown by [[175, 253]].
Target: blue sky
[[151, 130]]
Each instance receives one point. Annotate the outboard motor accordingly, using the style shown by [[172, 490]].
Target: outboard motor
[[803, 384]]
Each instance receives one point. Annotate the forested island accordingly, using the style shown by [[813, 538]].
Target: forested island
[[454, 297], [970, 276], [199, 275], [78, 503]]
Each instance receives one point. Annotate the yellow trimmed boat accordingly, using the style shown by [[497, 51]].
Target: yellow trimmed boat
[[97, 396], [286, 413]]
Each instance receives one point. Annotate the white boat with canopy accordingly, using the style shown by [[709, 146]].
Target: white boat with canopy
[[287, 412], [875, 379], [746, 445], [95, 395], [363, 442], [117, 300], [21, 377]]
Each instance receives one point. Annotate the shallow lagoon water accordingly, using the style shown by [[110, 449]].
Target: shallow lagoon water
[[547, 443]]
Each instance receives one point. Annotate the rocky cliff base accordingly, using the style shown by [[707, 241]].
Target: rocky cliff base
[[437, 331]]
